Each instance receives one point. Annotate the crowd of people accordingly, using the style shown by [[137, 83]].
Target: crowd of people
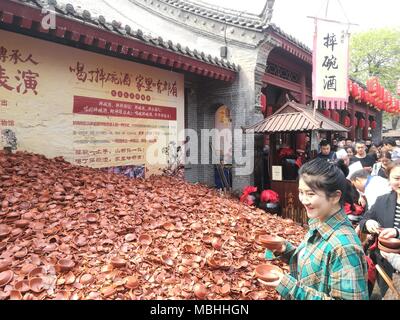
[[351, 193]]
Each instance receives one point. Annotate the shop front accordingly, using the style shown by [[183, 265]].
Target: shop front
[[286, 128]]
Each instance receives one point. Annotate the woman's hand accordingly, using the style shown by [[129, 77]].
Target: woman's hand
[[372, 226], [280, 250], [362, 202], [388, 233]]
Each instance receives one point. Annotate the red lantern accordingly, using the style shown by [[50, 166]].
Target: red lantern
[[347, 121], [373, 86], [373, 124], [350, 86], [355, 90], [336, 116], [263, 103], [355, 122], [327, 113], [368, 98], [361, 123], [362, 95]]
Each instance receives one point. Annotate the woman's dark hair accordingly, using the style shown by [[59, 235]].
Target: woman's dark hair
[[342, 166], [352, 149], [392, 165], [319, 174], [385, 154]]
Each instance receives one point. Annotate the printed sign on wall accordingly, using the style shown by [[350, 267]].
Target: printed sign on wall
[[91, 109]]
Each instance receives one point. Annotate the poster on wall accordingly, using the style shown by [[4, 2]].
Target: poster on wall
[[93, 110]]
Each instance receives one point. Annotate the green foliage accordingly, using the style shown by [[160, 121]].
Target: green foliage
[[376, 53]]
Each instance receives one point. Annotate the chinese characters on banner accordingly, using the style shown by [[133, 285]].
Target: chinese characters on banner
[[330, 64]]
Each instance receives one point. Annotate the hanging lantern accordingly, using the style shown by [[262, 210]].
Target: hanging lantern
[[347, 121], [355, 90], [326, 113], [263, 103], [373, 124], [362, 95], [368, 98], [373, 86], [335, 116], [350, 86], [361, 123]]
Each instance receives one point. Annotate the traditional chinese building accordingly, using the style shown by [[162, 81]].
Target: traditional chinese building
[[162, 64]]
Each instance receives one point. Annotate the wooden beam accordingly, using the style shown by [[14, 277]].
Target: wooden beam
[[26, 23], [7, 17]]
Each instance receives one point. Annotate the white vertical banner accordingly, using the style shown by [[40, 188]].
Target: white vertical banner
[[331, 64]]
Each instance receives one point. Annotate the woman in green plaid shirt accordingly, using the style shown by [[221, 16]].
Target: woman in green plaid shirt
[[330, 262]]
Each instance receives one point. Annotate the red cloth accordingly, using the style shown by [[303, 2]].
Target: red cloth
[[357, 212], [286, 152], [371, 270], [246, 191], [299, 162], [269, 196]]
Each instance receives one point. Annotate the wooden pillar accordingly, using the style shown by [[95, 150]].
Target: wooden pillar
[[301, 137], [365, 130], [353, 128]]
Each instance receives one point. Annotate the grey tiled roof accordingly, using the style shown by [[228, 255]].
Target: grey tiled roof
[[289, 37], [114, 26], [228, 16]]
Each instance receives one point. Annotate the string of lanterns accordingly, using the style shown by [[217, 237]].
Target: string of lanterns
[[376, 96]]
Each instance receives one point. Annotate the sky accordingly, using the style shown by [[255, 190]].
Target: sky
[[291, 15]]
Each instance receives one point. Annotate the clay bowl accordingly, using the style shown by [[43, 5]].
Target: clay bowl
[[86, 279], [4, 231], [166, 259], [92, 217], [118, 262], [36, 272], [132, 282], [65, 265], [22, 223], [130, 237], [22, 286], [6, 277], [37, 284], [270, 242], [386, 249], [5, 264], [21, 254], [216, 243], [268, 272], [15, 295], [169, 226], [145, 239], [200, 291], [391, 243]]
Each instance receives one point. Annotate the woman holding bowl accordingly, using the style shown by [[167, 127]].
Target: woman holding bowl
[[329, 263]]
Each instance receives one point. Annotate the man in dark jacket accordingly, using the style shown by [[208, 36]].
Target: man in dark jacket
[[381, 215], [326, 152]]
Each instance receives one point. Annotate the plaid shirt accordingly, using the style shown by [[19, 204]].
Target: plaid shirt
[[333, 265]]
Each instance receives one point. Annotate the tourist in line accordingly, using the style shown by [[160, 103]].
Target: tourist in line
[[330, 262], [350, 152], [390, 145], [370, 187], [361, 155], [385, 213], [326, 152], [380, 168]]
